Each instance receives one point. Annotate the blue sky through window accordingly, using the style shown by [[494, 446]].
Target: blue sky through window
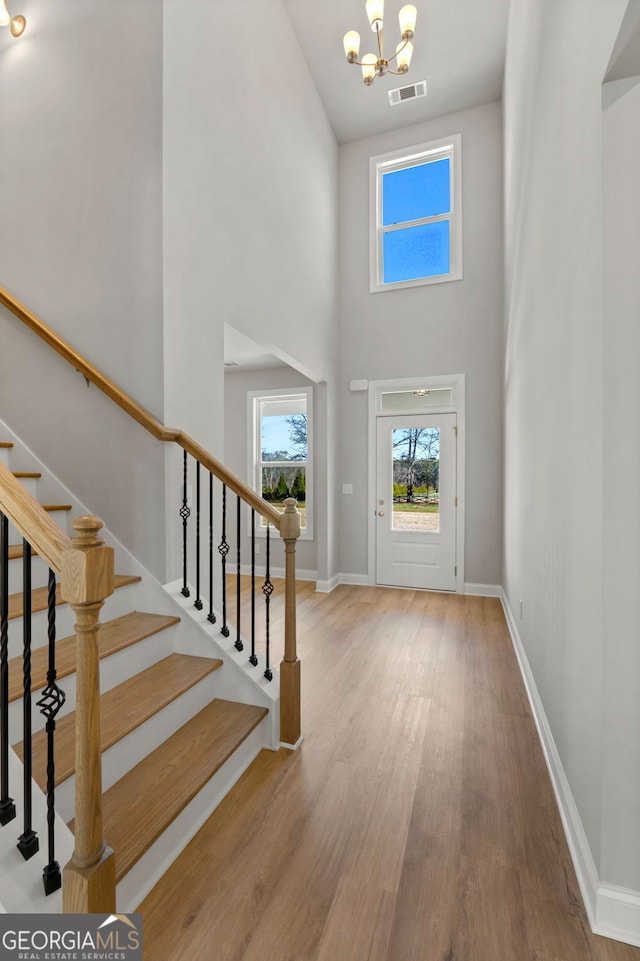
[[421, 251], [416, 192], [275, 433]]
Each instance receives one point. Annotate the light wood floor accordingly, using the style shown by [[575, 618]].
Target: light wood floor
[[416, 822]]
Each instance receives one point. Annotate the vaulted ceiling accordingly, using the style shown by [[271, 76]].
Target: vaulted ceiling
[[459, 49]]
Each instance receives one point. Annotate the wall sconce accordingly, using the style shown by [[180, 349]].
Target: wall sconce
[[15, 24]]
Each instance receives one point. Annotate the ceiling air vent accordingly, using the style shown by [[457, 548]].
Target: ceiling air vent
[[410, 92]]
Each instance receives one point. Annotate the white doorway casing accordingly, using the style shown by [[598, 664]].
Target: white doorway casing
[[454, 404]]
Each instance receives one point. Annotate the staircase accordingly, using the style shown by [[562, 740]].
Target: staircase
[[172, 743]]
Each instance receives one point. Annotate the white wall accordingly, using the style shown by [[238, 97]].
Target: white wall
[[620, 862], [81, 245], [250, 206], [447, 328], [554, 427], [250, 170]]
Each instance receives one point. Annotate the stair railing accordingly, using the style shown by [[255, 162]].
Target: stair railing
[[86, 579], [84, 566], [286, 523]]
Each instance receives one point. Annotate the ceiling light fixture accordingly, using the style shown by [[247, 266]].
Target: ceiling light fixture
[[375, 65], [15, 24]]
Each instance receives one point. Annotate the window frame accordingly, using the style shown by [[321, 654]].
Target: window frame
[[254, 449], [448, 147]]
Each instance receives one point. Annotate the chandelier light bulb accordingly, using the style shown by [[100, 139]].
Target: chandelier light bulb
[[5, 18], [369, 62], [404, 52], [375, 13], [351, 45], [407, 18]]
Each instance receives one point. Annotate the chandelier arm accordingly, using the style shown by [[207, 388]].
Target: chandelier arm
[[399, 50], [380, 41]]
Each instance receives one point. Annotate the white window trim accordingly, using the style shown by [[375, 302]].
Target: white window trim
[[384, 163], [458, 402], [253, 450]]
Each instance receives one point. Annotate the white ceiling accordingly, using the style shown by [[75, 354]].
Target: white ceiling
[[459, 49]]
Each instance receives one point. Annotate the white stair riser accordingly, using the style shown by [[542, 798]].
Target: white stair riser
[[130, 750], [113, 671], [30, 484], [120, 602], [5, 453], [152, 865], [39, 574]]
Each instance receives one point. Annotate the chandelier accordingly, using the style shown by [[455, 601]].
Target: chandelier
[[15, 24], [376, 65]]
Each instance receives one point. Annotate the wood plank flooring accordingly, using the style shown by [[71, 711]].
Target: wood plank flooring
[[416, 823]]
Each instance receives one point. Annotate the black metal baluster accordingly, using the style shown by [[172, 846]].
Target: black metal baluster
[[184, 514], [239, 646], [7, 806], [211, 617], [267, 590], [197, 603], [50, 702], [223, 550], [253, 659], [28, 843]]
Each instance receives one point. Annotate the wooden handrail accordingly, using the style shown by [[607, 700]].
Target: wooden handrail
[[139, 413], [85, 567], [31, 519]]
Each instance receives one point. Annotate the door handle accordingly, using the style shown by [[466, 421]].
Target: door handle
[[380, 513]]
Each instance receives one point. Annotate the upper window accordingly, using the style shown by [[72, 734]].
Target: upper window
[[416, 217], [281, 445]]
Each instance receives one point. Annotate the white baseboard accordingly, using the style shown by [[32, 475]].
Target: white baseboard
[[325, 587], [618, 914], [483, 590], [245, 569], [613, 912]]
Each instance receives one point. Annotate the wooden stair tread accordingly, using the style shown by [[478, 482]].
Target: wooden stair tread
[[138, 808], [15, 552], [26, 474], [39, 596], [115, 635], [56, 507], [6, 443], [122, 709]]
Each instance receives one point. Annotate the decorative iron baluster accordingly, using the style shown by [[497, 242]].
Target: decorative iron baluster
[[184, 514], [253, 659], [239, 646], [7, 806], [211, 617], [267, 590], [223, 550], [197, 603], [28, 843], [50, 702]]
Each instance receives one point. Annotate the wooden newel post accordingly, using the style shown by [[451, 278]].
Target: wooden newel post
[[290, 665], [86, 578]]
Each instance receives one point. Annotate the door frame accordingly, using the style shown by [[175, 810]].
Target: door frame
[[456, 382]]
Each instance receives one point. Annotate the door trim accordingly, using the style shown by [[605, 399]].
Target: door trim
[[376, 388]]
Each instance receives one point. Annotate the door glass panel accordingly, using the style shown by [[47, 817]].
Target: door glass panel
[[417, 399], [416, 478]]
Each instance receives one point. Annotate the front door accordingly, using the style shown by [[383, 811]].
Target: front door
[[416, 501]]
